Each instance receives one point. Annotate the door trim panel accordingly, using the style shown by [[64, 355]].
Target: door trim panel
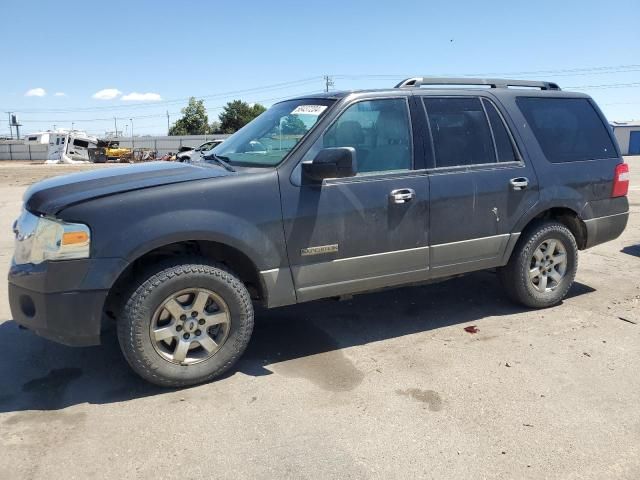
[[353, 274], [469, 255]]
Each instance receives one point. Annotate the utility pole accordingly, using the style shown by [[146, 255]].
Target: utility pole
[[72, 124], [10, 126], [328, 82], [115, 124], [168, 123], [133, 145]]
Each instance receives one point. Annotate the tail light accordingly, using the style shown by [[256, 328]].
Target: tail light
[[621, 180]]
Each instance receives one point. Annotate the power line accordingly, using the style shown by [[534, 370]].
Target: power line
[[328, 81], [277, 86], [557, 72], [158, 115]]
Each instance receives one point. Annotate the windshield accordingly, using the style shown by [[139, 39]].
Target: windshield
[[265, 141]]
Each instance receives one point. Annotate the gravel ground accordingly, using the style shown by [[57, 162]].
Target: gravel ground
[[387, 385]]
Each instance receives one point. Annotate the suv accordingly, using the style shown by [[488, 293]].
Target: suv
[[321, 196]]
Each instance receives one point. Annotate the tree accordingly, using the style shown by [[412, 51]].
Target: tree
[[293, 125], [214, 127], [194, 120], [237, 114]]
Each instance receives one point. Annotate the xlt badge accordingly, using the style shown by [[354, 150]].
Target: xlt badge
[[319, 250]]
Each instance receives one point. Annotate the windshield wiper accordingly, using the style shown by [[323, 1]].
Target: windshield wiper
[[220, 160]]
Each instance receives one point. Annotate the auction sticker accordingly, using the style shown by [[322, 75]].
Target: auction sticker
[[309, 110]]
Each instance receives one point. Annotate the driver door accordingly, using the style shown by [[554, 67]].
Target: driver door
[[364, 232]]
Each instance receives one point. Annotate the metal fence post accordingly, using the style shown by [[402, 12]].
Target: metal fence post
[[10, 153], [29, 146]]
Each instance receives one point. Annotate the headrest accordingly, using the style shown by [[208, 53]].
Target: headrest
[[392, 125], [349, 133]]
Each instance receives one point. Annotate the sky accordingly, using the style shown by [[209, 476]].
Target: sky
[[81, 63]]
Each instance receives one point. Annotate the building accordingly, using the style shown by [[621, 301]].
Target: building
[[628, 136]]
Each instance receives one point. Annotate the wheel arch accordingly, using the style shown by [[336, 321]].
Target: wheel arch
[[565, 215], [229, 256]]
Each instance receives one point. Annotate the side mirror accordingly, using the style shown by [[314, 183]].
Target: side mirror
[[339, 162]]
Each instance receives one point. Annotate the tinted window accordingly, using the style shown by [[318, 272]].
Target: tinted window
[[81, 143], [379, 131], [460, 131], [504, 146], [567, 129]]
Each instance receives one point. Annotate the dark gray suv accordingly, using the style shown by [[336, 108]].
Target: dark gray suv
[[320, 196]]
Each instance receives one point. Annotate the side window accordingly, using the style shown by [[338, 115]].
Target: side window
[[379, 131], [504, 146], [460, 132], [81, 143], [567, 129]]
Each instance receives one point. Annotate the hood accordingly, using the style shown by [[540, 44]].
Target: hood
[[52, 195]]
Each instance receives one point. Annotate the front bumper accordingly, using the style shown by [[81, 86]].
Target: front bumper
[[63, 301]]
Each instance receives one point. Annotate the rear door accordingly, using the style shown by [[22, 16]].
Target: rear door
[[365, 232], [479, 184]]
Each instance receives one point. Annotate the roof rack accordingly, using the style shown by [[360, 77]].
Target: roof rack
[[492, 82]]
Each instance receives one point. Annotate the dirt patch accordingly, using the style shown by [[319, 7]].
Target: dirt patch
[[14, 174]]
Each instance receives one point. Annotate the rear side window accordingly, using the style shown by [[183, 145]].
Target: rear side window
[[81, 143], [460, 132], [567, 129], [504, 147]]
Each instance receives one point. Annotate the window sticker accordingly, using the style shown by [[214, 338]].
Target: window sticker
[[309, 110]]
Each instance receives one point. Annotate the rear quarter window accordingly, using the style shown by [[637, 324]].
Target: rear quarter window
[[567, 129]]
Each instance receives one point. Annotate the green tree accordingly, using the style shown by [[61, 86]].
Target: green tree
[[194, 120], [237, 114], [293, 125], [214, 127]]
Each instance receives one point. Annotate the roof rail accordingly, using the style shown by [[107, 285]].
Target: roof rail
[[492, 82]]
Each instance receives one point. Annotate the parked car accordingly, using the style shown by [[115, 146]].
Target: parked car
[[196, 154], [361, 191]]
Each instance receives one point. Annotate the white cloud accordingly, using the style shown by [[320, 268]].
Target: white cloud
[[59, 94], [142, 97], [36, 92], [107, 94]]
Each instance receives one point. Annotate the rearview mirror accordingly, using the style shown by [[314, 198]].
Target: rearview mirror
[[339, 162]]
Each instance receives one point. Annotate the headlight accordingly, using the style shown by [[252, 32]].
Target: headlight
[[39, 239]]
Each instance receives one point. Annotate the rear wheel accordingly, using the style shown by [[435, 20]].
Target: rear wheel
[[185, 324], [542, 267]]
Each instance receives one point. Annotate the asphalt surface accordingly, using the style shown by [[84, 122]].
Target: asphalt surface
[[388, 385]]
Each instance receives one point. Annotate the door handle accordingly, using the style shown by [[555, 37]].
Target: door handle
[[519, 183], [402, 195]]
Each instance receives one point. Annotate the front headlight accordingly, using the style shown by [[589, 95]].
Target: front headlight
[[39, 239]]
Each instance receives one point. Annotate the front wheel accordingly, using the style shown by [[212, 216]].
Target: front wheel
[[542, 267], [185, 323]]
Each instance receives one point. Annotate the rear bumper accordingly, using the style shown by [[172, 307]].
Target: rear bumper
[[62, 301], [603, 229]]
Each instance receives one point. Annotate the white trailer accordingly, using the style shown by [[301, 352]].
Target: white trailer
[[70, 147], [37, 138]]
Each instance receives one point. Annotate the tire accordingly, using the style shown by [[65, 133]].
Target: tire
[[536, 282], [157, 318]]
